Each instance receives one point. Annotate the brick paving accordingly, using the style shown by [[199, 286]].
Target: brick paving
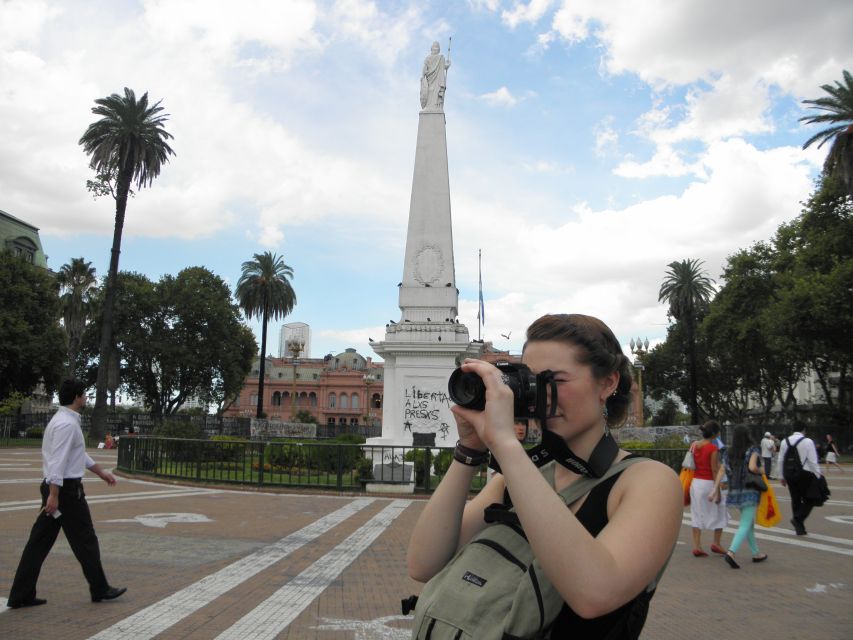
[[278, 556]]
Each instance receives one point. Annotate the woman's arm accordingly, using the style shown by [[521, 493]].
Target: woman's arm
[[598, 575], [447, 522], [753, 463]]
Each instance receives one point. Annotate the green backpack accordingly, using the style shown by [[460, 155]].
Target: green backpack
[[494, 588]]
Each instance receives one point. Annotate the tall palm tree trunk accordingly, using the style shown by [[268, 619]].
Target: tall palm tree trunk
[[262, 370], [99, 415], [691, 355]]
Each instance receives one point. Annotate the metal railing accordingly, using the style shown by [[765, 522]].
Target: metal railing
[[331, 466]]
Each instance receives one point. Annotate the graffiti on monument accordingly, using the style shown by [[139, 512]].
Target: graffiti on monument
[[426, 411]]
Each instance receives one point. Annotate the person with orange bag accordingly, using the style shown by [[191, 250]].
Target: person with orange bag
[[743, 456]]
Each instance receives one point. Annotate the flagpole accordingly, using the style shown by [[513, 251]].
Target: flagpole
[[480, 299]]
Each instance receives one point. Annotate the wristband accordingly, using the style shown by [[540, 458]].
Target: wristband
[[470, 457]]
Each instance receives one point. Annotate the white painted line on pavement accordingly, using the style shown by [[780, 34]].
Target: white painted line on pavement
[[275, 613], [799, 541], [37, 481], [118, 497], [158, 617]]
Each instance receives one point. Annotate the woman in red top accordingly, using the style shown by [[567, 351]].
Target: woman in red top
[[707, 509]]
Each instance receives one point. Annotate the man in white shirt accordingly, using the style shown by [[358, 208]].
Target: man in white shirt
[[768, 447], [64, 506], [800, 506]]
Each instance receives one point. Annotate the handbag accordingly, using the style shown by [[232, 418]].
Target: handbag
[[768, 513], [755, 481], [688, 462], [686, 478]]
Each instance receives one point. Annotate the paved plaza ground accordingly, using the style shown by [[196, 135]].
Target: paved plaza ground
[[210, 562]]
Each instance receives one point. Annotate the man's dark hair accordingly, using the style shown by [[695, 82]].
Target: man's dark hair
[[70, 390], [800, 426]]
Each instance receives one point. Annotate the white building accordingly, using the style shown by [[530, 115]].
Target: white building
[[298, 331]]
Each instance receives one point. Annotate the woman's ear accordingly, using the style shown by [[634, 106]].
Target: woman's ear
[[610, 383]]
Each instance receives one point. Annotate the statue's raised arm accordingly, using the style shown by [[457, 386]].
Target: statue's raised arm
[[434, 80]]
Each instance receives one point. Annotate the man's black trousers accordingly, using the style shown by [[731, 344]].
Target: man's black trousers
[[800, 506], [76, 522]]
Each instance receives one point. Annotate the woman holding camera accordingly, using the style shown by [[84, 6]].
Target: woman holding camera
[[603, 552]]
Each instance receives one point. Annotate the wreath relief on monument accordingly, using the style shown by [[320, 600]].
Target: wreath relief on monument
[[429, 265]]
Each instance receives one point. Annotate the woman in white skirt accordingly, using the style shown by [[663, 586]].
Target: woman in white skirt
[[832, 454], [707, 508]]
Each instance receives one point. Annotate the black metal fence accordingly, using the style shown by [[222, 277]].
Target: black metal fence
[[331, 466]]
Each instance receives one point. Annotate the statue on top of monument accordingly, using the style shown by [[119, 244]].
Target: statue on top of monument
[[434, 79]]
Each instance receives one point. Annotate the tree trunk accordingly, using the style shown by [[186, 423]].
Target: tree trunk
[[691, 346], [263, 360], [99, 414]]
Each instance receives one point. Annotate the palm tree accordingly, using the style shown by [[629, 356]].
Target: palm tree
[[76, 279], [264, 291], [688, 291], [128, 142], [838, 108]]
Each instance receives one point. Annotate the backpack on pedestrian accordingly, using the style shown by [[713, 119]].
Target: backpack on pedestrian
[[792, 466], [494, 587]]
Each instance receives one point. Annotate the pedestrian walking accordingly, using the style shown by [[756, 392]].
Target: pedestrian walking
[[742, 458], [705, 513], [768, 448], [832, 454], [793, 476], [64, 506]]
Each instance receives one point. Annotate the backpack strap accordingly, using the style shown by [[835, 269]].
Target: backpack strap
[[585, 484], [505, 513]]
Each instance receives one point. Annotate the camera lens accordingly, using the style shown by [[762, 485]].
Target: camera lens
[[467, 390]]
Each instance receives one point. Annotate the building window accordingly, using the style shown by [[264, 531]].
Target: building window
[[276, 399], [343, 421], [376, 402], [344, 401], [356, 403], [312, 399], [353, 422], [332, 401], [330, 422]]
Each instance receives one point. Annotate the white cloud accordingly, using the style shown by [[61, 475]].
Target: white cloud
[[531, 12], [730, 55], [610, 262], [21, 21], [500, 98], [606, 137]]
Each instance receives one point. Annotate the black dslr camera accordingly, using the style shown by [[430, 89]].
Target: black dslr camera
[[530, 390]]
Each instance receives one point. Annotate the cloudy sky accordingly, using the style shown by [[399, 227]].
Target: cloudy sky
[[590, 143]]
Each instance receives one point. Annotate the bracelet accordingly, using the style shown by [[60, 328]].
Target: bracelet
[[470, 457]]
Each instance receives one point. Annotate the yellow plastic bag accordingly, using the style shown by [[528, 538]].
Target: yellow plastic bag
[[686, 477], [768, 514]]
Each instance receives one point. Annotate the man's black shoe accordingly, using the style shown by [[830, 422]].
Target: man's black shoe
[[799, 528], [33, 602], [110, 594]]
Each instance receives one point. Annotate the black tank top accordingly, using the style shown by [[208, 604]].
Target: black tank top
[[626, 622]]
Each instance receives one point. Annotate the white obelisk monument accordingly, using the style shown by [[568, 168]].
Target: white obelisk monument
[[425, 346]]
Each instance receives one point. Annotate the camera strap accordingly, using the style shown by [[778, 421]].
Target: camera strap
[[553, 447]]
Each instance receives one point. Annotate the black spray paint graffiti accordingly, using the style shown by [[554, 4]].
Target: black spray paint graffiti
[[423, 408]]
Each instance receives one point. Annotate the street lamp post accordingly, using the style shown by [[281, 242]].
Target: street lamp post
[[369, 379], [639, 349], [295, 347]]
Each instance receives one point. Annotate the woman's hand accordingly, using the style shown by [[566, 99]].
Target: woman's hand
[[493, 426]]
